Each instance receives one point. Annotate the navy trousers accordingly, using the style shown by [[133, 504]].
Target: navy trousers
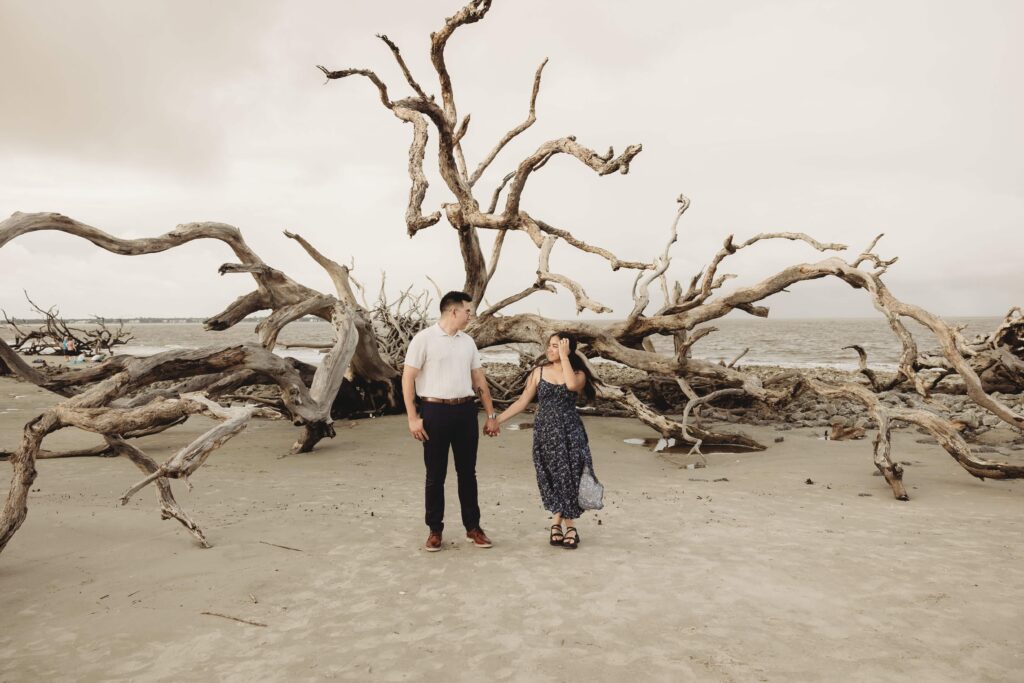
[[452, 427]]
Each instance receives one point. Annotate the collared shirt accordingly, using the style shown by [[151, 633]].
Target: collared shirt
[[444, 361]]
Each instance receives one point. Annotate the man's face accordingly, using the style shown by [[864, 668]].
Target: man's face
[[462, 314]]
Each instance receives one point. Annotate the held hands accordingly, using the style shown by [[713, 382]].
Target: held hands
[[417, 430], [563, 348], [491, 427]]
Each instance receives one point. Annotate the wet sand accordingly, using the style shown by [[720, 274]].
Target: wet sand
[[737, 572]]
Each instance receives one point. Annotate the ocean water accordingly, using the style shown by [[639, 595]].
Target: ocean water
[[787, 343]]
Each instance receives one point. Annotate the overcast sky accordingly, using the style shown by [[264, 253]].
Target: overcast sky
[[838, 119]]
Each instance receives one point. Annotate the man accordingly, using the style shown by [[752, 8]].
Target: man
[[442, 367]]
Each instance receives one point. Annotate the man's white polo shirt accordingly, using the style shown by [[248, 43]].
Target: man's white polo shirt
[[444, 362]]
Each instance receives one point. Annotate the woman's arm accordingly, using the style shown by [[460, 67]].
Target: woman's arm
[[529, 391], [575, 380]]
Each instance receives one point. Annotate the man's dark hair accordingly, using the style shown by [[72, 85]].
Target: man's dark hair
[[452, 298]]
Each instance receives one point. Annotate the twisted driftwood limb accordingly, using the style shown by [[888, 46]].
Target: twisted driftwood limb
[[465, 215], [876, 384], [286, 299], [942, 429], [892, 471], [275, 290], [187, 460], [169, 508], [680, 431], [93, 409], [366, 359], [102, 450], [328, 378], [997, 358]]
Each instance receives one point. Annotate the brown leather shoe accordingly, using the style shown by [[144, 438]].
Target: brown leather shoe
[[479, 538], [433, 543]]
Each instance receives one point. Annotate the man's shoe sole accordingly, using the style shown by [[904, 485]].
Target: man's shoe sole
[[431, 550], [477, 545]]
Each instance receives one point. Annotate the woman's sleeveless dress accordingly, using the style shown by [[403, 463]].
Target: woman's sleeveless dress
[[560, 449]]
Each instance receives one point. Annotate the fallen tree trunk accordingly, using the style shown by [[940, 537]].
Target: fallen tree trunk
[[93, 409]]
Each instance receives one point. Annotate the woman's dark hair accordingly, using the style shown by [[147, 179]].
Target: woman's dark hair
[[590, 382], [452, 298]]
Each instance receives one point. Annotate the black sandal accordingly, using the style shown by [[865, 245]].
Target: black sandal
[[561, 536], [571, 542]]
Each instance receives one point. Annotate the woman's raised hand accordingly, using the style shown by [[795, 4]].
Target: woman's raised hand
[[563, 348]]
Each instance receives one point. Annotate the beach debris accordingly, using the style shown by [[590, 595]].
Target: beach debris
[[239, 620], [285, 547], [808, 481], [780, 439], [841, 432]]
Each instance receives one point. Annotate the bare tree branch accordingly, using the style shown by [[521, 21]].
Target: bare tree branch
[[402, 65], [531, 118]]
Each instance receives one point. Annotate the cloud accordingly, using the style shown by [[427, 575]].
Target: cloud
[[137, 116]]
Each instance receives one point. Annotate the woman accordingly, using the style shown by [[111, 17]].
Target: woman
[[560, 447]]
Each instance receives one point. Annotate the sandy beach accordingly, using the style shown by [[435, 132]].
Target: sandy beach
[[741, 571]]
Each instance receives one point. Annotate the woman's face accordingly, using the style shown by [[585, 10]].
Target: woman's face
[[552, 351]]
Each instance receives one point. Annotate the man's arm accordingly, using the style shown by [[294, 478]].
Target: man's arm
[[409, 374], [491, 427]]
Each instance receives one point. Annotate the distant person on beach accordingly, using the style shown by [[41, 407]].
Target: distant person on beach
[[443, 368], [561, 450], [64, 346]]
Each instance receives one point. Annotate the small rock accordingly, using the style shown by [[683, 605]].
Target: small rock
[[864, 495], [780, 439], [809, 481]]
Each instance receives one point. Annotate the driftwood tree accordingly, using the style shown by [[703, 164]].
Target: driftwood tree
[[53, 335], [117, 399], [683, 313], [117, 396]]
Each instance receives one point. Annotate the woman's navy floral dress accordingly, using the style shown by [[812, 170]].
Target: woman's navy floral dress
[[560, 449]]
